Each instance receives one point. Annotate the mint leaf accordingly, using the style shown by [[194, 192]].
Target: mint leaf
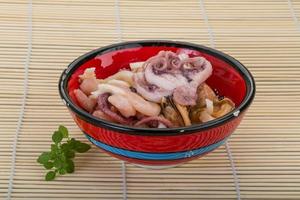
[[64, 131], [57, 137], [62, 153], [43, 158], [54, 151], [82, 147], [69, 154], [62, 171], [52, 155], [50, 176], [48, 165], [54, 148], [57, 163], [65, 147], [70, 166], [72, 143]]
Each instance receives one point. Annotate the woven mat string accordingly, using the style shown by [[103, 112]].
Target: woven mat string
[[229, 154], [22, 110]]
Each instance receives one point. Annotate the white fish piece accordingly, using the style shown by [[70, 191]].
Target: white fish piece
[[123, 75], [84, 101], [136, 65], [118, 83], [88, 73]]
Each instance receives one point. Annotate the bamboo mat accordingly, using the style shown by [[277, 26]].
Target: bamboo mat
[[37, 41]]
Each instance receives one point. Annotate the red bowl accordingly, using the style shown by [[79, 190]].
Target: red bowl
[[159, 147]]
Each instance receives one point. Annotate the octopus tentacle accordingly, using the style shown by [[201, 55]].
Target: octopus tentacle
[[158, 119], [104, 107], [167, 74]]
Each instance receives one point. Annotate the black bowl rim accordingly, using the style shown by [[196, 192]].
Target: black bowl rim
[[248, 78]]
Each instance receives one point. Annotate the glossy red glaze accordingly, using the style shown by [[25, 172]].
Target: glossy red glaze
[[156, 144], [224, 78]]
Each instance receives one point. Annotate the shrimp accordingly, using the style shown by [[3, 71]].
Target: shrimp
[[122, 104], [84, 101], [141, 105], [89, 85]]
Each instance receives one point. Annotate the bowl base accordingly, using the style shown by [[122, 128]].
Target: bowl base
[[156, 166]]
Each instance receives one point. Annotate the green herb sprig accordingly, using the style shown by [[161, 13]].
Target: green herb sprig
[[60, 158]]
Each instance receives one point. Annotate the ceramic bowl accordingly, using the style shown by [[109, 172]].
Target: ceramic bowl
[[154, 147]]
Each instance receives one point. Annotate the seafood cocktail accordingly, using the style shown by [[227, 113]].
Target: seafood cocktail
[[157, 103]]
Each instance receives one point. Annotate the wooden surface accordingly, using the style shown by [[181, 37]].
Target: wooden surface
[[264, 35]]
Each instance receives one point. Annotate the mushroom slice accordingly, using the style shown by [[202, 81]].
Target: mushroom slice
[[222, 107], [200, 115], [184, 114], [205, 92], [170, 111]]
